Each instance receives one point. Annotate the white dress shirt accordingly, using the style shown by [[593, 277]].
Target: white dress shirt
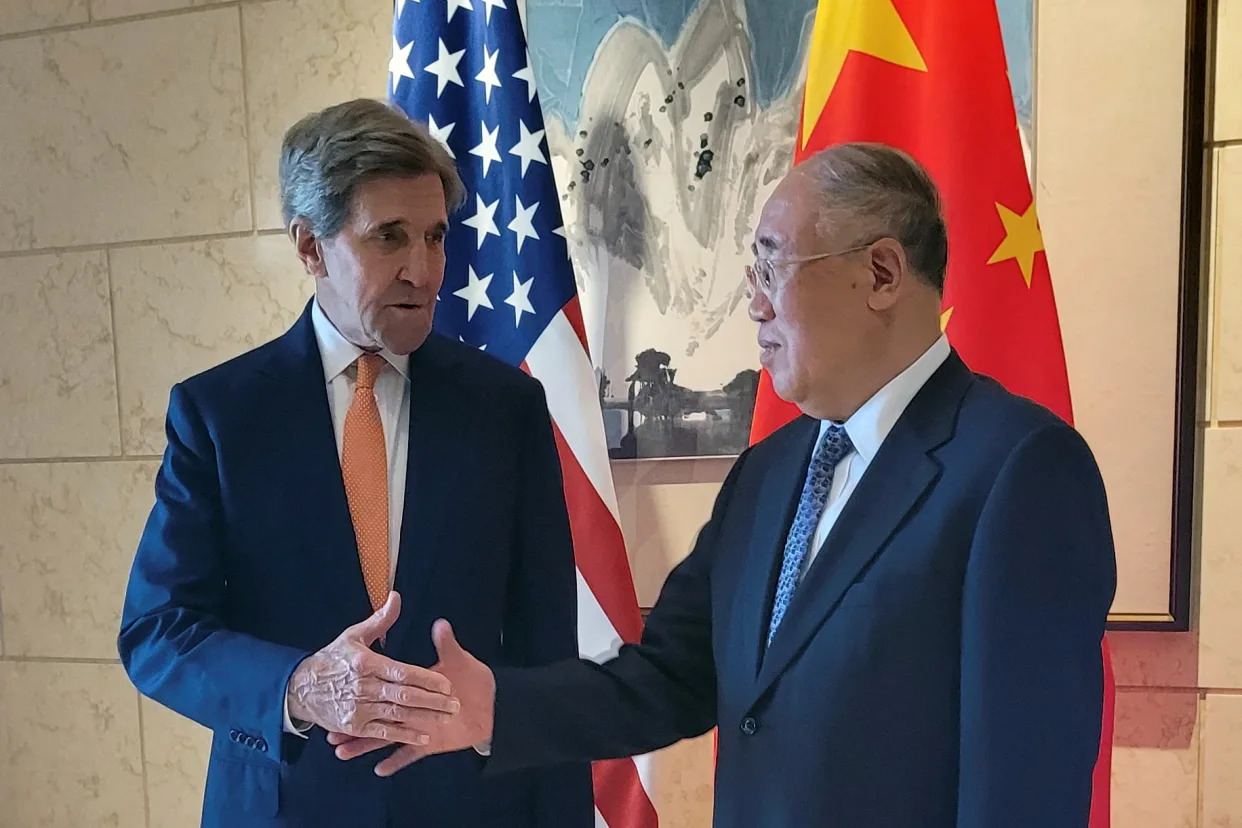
[[392, 396], [867, 429]]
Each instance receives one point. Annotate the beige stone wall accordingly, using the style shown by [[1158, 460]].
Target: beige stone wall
[[139, 242]]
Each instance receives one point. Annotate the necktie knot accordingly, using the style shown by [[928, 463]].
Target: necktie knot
[[369, 367], [833, 448]]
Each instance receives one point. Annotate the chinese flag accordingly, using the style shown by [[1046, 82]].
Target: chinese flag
[[929, 77]]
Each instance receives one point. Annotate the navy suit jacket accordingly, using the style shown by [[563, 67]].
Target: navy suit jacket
[[939, 665], [248, 564]]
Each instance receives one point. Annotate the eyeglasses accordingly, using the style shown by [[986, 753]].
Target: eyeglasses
[[763, 271]]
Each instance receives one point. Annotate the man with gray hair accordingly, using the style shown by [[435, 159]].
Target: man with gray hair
[[324, 497], [895, 611]]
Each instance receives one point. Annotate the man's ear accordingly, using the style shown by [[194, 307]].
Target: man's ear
[[890, 268], [308, 248]]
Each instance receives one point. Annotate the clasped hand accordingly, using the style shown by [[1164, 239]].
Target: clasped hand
[[348, 689], [474, 686]]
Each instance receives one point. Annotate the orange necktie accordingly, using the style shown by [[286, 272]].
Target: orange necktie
[[364, 464]]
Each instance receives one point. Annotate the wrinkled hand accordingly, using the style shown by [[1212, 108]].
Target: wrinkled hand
[[348, 688], [474, 685]]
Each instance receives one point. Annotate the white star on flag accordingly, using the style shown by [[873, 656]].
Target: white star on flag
[[475, 293], [560, 231], [399, 63], [520, 299], [526, 74], [527, 148], [445, 68], [454, 5], [441, 133], [482, 347], [499, 4], [488, 73], [523, 223], [487, 147], [484, 219]]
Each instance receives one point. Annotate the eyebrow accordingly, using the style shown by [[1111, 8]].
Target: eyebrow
[[400, 223], [386, 225]]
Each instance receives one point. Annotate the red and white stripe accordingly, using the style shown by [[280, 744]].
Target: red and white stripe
[[607, 606]]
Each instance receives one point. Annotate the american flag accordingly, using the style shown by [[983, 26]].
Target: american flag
[[462, 68]]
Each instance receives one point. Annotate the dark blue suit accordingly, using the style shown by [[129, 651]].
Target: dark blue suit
[[939, 665], [248, 564]]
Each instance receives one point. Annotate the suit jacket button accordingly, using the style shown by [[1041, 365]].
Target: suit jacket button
[[249, 741], [234, 736], [261, 745], [749, 726]]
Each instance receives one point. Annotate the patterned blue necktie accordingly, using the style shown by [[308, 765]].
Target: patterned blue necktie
[[832, 450]]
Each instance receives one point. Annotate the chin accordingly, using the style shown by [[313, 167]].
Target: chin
[[406, 342], [786, 387], [780, 382]]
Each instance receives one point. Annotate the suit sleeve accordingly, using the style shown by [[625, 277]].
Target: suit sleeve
[[1039, 583], [541, 613], [174, 640], [650, 695]]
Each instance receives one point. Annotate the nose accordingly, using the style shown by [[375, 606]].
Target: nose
[[759, 309], [418, 266]]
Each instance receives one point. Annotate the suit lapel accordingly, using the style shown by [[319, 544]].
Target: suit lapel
[[314, 473], [900, 474], [778, 499], [429, 503], [313, 469]]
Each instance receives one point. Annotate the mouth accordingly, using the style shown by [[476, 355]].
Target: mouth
[[767, 350], [407, 306]]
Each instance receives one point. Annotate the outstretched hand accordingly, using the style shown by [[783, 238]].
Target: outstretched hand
[[473, 685]]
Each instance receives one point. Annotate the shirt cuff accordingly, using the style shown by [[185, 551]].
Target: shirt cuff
[[299, 729], [484, 749]]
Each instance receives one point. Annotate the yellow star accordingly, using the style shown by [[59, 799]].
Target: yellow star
[[872, 27], [1022, 239], [945, 316]]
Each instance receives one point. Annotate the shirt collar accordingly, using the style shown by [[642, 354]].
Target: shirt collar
[[338, 353], [871, 423]]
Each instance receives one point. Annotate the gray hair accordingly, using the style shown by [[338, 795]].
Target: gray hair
[[886, 193], [327, 154]]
